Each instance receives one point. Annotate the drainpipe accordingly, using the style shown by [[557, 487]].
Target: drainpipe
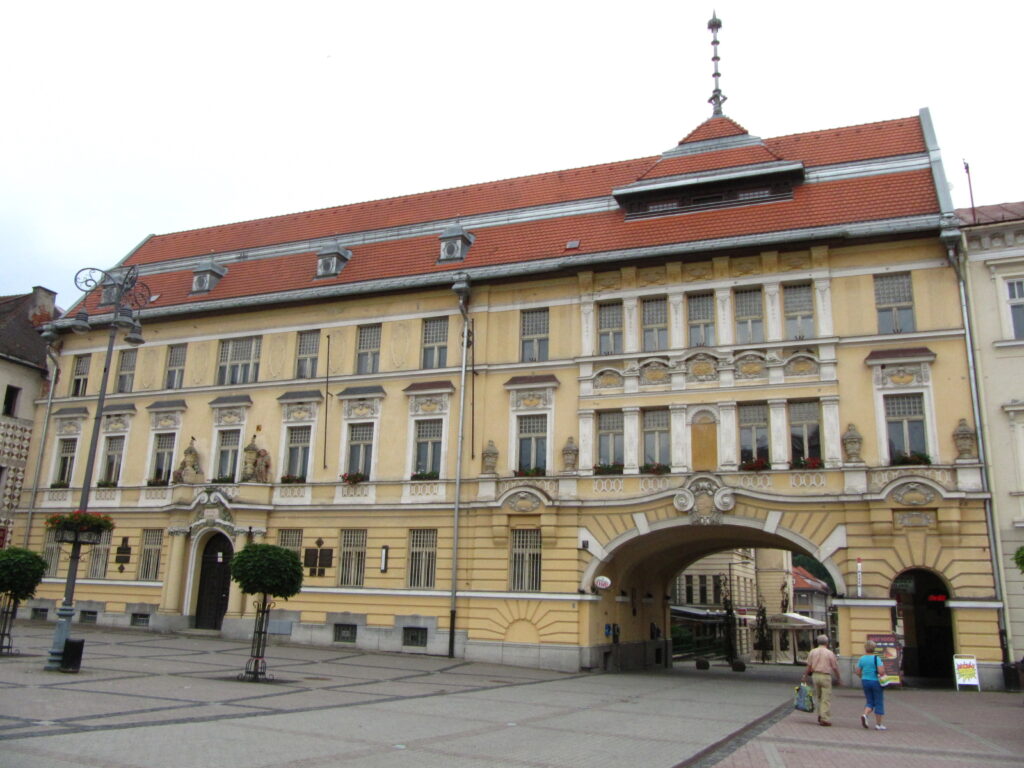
[[958, 260], [461, 289], [54, 378]]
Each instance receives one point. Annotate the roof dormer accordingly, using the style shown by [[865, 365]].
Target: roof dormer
[[331, 259], [206, 277], [455, 243]]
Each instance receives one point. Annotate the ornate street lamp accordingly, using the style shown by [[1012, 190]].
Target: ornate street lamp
[[126, 296]]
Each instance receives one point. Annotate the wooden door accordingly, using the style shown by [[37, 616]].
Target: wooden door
[[214, 582]]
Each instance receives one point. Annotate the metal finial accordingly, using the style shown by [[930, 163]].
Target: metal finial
[[717, 97]]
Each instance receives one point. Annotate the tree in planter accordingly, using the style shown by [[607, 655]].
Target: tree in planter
[[268, 571], [21, 570]]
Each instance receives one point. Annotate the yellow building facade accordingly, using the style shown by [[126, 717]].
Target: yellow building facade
[[737, 343]]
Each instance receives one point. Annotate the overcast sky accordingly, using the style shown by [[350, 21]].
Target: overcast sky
[[125, 119]]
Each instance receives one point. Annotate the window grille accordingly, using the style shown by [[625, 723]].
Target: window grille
[[239, 360], [290, 538], [51, 552], [609, 324], [368, 349], [307, 350], [655, 322], [422, 557], [175, 374], [525, 560], [87, 617], [533, 326], [345, 633], [126, 370], [352, 557], [149, 560], [435, 342], [414, 637], [98, 557]]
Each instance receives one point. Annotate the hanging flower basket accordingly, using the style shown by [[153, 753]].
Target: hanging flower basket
[[83, 527]]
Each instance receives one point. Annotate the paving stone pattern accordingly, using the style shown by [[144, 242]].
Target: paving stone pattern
[[164, 701]]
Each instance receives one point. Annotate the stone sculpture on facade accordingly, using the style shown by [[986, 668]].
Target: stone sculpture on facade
[[852, 442], [262, 468], [489, 458], [966, 441], [188, 470], [570, 455], [249, 461]]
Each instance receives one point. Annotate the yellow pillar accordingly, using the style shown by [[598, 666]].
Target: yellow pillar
[[236, 600], [171, 599]]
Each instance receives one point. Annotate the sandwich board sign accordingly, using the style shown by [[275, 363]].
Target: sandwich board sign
[[965, 670]]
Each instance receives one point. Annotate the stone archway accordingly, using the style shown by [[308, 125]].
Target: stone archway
[[923, 618]]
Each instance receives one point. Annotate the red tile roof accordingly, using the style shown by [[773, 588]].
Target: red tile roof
[[824, 203], [714, 128], [802, 579]]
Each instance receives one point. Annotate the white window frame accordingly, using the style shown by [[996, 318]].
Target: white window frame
[[881, 422], [230, 370], [174, 373], [525, 560], [149, 554], [436, 345], [290, 539], [363, 409], [79, 386], [127, 359], [218, 449], [286, 462], [894, 307], [659, 327], [750, 327], [151, 462], [702, 323], [599, 433], [539, 343], [422, 568], [530, 400], [105, 473], [802, 318], [533, 436], [367, 356], [59, 454], [352, 557], [99, 556], [615, 334], [306, 361]]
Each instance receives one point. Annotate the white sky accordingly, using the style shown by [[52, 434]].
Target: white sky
[[124, 119]]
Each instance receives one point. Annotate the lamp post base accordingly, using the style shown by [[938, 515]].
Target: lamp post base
[[60, 634]]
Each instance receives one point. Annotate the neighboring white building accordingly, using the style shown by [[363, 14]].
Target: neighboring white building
[[995, 280], [23, 378]]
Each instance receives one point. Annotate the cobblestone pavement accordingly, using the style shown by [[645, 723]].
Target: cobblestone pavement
[[174, 700]]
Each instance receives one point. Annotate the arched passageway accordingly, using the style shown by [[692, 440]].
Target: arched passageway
[[923, 618]]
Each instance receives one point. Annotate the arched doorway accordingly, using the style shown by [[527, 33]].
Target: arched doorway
[[924, 620], [214, 582]]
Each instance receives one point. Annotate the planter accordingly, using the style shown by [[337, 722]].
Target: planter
[[71, 535]]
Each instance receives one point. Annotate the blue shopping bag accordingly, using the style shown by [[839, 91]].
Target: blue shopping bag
[[803, 698]]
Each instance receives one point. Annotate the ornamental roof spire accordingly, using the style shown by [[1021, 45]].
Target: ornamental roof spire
[[717, 97]]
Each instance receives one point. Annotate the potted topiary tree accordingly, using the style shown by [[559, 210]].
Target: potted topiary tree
[[21, 570], [268, 571]]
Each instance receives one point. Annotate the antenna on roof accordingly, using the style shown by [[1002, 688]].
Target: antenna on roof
[[717, 97]]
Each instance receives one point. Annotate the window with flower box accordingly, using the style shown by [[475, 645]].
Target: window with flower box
[[805, 434], [657, 449], [610, 439], [754, 436], [428, 447]]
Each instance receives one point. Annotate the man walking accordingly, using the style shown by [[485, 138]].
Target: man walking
[[823, 667]]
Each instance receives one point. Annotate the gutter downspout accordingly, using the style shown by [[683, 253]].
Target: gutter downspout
[[952, 237], [994, 540], [461, 289], [54, 378]]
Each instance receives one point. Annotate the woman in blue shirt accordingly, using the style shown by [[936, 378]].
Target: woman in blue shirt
[[868, 668]]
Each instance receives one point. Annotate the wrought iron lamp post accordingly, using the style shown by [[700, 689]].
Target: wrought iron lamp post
[[126, 295]]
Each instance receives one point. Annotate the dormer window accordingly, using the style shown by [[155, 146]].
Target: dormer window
[[331, 259], [455, 243], [206, 277], [108, 293], [703, 199]]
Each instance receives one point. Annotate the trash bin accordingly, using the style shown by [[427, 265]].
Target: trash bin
[[71, 661]]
